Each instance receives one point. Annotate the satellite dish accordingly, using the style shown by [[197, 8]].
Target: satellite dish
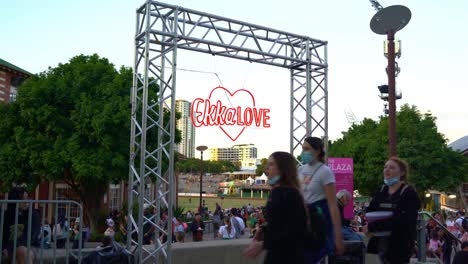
[[392, 18]]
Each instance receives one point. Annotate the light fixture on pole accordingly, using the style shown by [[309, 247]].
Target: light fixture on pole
[[201, 149], [388, 21], [383, 89]]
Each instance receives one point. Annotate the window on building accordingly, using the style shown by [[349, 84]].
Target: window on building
[[63, 192], [115, 199], [13, 93]]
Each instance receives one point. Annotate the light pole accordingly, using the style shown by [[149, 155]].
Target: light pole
[[388, 21], [201, 149]]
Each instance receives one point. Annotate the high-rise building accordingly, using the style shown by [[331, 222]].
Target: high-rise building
[[186, 146], [237, 153]]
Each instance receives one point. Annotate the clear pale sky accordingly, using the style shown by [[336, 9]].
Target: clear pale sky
[[434, 62]]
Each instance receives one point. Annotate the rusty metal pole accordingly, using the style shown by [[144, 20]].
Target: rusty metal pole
[[391, 94]]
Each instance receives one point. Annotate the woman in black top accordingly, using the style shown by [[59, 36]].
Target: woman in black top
[[283, 233], [399, 232]]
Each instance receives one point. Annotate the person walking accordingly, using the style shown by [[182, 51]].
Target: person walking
[[394, 235], [318, 183], [283, 235], [217, 220]]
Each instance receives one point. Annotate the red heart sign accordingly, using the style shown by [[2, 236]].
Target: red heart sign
[[231, 112]]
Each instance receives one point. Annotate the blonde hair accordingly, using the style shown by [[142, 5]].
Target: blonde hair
[[403, 165]]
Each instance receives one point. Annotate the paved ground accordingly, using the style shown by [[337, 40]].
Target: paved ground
[[209, 237], [227, 251]]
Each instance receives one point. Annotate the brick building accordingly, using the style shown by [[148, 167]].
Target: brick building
[[11, 76]]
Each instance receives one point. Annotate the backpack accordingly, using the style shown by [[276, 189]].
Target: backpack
[[237, 226], [216, 219]]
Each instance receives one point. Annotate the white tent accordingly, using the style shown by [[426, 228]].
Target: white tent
[[250, 181], [261, 180]]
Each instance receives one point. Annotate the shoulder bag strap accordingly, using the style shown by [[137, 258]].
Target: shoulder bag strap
[[309, 229]]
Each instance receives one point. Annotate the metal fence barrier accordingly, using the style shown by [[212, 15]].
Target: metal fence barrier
[[422, 235], [21, 207]]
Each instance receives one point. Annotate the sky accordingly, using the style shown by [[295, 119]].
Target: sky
[[36, 35]]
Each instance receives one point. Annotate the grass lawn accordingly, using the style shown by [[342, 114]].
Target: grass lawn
[[210, 202]]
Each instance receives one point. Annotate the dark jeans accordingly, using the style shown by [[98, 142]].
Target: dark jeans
[[61, 242], [215, 229], [284, 256], [76, 242]]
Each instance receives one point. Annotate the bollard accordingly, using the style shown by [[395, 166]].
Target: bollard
[[421, 239]]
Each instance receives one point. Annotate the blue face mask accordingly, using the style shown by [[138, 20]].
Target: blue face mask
[[307, 157], [392, 181], [274, 180]]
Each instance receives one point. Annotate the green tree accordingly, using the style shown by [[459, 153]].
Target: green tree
[[261, 168], [71, 124], [432, 164], [193, 165]]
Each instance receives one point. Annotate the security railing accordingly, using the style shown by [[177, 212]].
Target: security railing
[[422, 234], [17, 226]]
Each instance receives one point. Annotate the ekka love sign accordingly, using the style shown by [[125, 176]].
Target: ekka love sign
[[231, 112]]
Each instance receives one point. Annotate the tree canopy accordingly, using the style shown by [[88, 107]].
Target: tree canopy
[[432, 164], [261, 168], [70, 123], [194, 166]]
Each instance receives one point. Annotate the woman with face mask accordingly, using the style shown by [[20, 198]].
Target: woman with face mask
[[394, 208], [283, 234], [318, 183]]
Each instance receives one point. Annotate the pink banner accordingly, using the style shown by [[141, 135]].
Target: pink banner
[[343, 169]]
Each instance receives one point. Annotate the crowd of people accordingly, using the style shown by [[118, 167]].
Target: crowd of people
[[302, 221], [441, 234]]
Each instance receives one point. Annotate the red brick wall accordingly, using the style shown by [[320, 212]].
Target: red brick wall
[[5, 79]]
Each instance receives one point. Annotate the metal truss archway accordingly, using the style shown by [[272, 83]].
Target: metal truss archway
[[161, 30]]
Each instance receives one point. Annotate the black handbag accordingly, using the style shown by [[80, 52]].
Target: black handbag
[[316, 235]]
